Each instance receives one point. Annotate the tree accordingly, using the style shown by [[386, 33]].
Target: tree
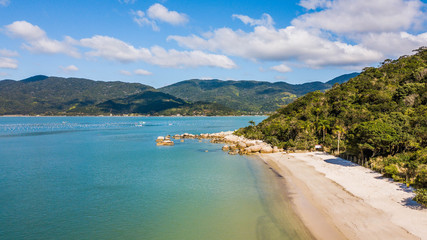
[[339, 130]]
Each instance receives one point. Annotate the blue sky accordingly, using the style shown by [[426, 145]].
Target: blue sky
[[162, 42]]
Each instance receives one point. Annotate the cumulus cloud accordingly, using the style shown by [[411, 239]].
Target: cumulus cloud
[[37, 40], [281, 68], [161, 13], [8, 53], [70, 68], [281, 45], [142, 72], [266, 20], [389, 43], [341, 33], [126, 73], [8, 63], [142, 20], [158, 13], [115, 49], [360, 16], [4, 3], [314, 4]]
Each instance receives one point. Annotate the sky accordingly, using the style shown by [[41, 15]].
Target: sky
[[166, 41]]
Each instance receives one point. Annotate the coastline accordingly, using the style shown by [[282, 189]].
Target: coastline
[[337, 199]]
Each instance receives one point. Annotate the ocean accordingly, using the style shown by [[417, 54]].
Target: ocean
[[105, 178]]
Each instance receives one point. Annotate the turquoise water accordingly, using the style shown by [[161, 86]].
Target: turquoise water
[[104, 178]]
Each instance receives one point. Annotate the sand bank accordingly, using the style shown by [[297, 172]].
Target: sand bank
[[337, 199]]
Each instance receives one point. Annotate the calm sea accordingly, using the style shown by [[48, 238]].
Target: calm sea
[[104, 178]]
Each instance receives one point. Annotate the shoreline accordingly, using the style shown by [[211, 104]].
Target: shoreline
[[337, 199]]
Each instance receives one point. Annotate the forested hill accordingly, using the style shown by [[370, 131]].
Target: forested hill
[[52, 95], [381, 114], [247, 96], [45, 95]]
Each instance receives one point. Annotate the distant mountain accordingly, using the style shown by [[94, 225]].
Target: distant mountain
[[54, 95], [76, 96], [35, 78], [45, 95], [247, 96]]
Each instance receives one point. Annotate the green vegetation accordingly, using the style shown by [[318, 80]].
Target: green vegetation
[[247, 97], [42, 95], [53, 96], [380, 115]]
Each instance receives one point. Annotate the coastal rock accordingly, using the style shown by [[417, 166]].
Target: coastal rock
[[165, 143], [233, 147], [160, 139], [250, 143], [276, 149], [241, 145], [247, 150], [255, 148], [266, 149], [177, 136], [235, 152], [225, 148]]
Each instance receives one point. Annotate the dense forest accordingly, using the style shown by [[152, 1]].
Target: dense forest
[[380, 115], [247, 97], [43, 95]]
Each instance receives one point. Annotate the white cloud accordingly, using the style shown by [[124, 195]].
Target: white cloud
[[115, 49], [4, 3], [158, 12], [8, 53], [394, 44], [8, 63], [266, 20], [281, 68], [174, 58], [37, 40], [314, 4], [70, 68], [361, 16], [281, 45], [161, 13], [142, 20], [142, 72], [126, 73]]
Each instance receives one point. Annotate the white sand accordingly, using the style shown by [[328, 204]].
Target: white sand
[[340, 200]]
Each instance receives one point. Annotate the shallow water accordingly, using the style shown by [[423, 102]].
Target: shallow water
[[104, 178]]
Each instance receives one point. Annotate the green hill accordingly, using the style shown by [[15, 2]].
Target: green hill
[[53, 95], [247, 96], [380, 114], [42, 95]]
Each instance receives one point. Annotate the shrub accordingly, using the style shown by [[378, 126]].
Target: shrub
[[421, 196]]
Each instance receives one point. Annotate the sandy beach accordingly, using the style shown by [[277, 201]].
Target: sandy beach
[[337, 199]]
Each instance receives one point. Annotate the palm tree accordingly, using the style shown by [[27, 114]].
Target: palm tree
[[339, 130], [323, 125]]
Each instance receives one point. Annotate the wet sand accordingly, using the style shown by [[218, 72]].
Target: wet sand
[[337, 199]]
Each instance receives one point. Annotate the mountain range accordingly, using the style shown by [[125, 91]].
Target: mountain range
[[43, 95]]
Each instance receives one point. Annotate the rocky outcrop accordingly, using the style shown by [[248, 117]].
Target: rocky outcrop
[[233, 144], [165, 143]]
